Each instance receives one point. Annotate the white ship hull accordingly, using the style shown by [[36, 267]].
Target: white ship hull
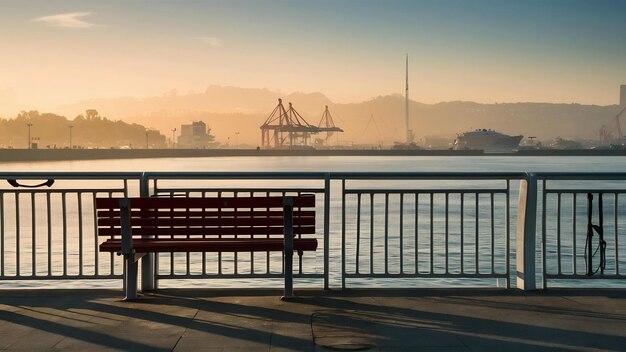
[[487, 140]]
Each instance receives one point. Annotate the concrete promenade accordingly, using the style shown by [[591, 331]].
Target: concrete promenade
[[256, 320]]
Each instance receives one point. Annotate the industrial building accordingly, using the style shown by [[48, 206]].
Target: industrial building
[[195, 135]]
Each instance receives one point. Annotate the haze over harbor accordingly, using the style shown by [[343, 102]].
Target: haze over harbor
[[228, 110], [66, 57]]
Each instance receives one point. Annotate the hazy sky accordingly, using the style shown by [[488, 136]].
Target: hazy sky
[[55, 52]]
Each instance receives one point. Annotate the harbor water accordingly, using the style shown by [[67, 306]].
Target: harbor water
[[488, 163]]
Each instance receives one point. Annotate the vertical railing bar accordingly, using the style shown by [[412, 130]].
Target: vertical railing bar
[[327, 231], [476, 247], [371, 233], [299, 193], [204, 236], [111, 254], [462, 240], [33, 234], [447, 219], [401, 232], [507, 253], [343, 233], [2, 226], [49, 234], [493, 236], [558, 232], [267, 254], [17, 234], [236, 254], [125, 182], [544, 234], [358, 231], [95, 233], [123, 266], [416, 233], [615, 224], [64, 208], [80, 232], [574, 232], [284, 194], [386, 233], [188, 255], [219, 254], [432, 233]]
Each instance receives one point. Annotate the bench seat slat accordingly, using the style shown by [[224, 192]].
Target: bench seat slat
[[184, 213], [183, 231], [204, 203], [239, 222], [210, 245]]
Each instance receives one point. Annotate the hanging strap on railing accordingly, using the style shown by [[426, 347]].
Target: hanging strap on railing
[[589, 252], [14, 183]]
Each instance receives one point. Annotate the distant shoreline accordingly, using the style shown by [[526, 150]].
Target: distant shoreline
[[25, 155]]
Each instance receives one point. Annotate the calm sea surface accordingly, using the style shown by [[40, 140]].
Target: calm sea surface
[[339, 163]]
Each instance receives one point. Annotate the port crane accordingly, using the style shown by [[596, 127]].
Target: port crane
[[286, 128], [607, 132], [327, 124]]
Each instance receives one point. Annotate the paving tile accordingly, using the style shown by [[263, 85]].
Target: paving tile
[[36, 340]]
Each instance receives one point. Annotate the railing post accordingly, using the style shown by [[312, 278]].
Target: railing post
[[526, 233], [148, 278]]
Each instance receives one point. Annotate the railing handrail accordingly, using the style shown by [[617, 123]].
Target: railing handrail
[[448, 175], [36, 175]]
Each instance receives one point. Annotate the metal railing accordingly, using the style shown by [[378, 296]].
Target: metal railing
[[49, 233], [583, 226], [423, 225], [389, 227], [240, 265]]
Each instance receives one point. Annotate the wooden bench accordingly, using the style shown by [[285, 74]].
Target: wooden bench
[[134, 227]]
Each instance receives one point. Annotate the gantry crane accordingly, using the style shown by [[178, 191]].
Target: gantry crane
[[286, 128], [607, 133], [327, 124]]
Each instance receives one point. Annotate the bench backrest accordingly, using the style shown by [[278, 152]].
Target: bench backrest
[[206, 217]]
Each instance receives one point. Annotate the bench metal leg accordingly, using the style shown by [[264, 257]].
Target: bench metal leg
[[130, 280], [288, 243], [148, 282]]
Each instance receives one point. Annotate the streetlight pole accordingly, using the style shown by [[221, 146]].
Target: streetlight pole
[[71, 136], [236, 140], [147, 145], [29, 126], [173, 138]]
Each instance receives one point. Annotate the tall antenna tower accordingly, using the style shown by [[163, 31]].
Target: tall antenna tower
[[409, 133]]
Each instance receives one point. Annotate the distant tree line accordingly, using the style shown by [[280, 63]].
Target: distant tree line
[[90, 130]]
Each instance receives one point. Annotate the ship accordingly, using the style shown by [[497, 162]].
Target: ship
[[487, 140]]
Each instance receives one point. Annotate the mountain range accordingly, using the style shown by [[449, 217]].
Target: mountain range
[[235, 115]]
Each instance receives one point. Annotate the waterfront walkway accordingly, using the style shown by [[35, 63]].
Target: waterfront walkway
[[381, 320]]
